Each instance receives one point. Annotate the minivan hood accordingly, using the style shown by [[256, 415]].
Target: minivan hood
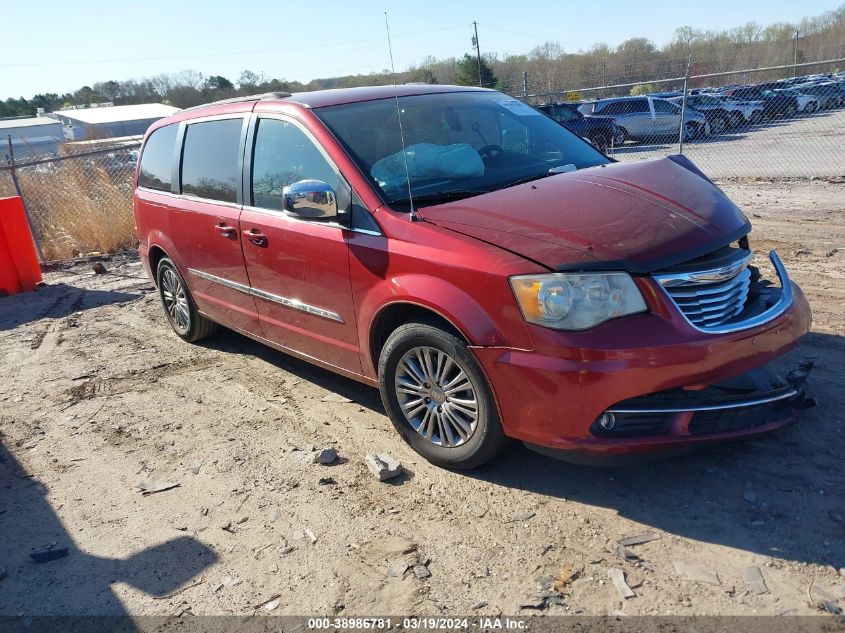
[[638, 216]]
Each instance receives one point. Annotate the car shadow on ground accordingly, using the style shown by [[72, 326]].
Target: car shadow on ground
[[779, 495], [54, 301], [79, 583]]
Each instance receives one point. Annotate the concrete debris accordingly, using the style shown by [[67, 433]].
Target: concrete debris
[[48, 552], [754, 580], [383, 465], [273, 604], [326, 481], [626, 554], [398, 569], [639, 539], [535, 603], [195, 467], [325, 456], [696, 573], [273, 568], [618, 578], [148, 488], [421, 571]]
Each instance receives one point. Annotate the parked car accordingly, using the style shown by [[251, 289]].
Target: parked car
[[807, 104], [491, 273], [829, 94], [598, 130], [720, 114], [774, 104], [647, 118]]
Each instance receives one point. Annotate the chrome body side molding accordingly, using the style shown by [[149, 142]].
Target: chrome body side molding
[[293, 304]]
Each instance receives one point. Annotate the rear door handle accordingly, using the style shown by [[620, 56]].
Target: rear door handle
[[226, 231], [256, 237]]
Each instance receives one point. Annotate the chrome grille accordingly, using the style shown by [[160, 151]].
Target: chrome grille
[[710, 298]]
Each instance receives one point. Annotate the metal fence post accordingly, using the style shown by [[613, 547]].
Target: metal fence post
[[684, 109], [13, 171]]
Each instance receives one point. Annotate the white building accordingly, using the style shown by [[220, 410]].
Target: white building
[[30, 136], [101, 122]]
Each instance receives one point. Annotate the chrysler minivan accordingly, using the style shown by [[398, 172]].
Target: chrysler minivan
[[493, 274]]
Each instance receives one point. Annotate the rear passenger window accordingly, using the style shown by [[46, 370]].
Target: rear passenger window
[[157, 159], [210, 159], [284, 154]]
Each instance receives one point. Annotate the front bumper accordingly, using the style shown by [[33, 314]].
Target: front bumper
[[551, 396]]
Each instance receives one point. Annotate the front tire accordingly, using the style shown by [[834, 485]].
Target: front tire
[[437, 397], [179, 305], [600, 141]]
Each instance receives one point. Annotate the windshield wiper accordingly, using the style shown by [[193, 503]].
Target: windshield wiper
[[441, 196]]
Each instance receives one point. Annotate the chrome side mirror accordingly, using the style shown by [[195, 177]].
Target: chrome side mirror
[[312, 199]]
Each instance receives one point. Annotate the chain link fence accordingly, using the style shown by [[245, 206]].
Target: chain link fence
[[773, 122], [79, 202], [735, 126]]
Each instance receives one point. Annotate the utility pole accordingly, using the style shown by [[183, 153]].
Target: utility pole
[[477, 50], [524, 84], [684, 108], [795, 55]]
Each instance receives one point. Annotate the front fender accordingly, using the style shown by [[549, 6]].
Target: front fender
[[442, 298]]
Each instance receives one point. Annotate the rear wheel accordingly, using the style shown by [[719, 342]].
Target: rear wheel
[[437, 397], [790, 111], [737, 119], [179, 306], [811, 107], [600, 140], [756, 117]]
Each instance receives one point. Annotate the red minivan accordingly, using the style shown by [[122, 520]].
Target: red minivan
[[492, 273]]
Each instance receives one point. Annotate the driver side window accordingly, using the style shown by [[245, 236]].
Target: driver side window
[[284, 155]]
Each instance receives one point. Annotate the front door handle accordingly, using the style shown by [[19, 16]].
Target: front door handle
[[226, 231], [256, 237]]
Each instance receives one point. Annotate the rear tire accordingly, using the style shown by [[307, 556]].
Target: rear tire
[[438, 398], [756, 117], [719, 124], [179, 305], [600, 141]]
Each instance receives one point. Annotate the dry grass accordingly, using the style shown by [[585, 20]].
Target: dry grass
[[80, 206]]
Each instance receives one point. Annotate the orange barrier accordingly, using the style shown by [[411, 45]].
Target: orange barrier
[[19, 267]]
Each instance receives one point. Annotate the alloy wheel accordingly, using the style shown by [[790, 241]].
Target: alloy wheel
[[436, 396], [175, 299]]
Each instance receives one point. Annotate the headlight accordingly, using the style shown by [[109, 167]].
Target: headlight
[[576, 301]]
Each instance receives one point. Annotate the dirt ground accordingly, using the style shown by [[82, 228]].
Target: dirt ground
[[98, 396]]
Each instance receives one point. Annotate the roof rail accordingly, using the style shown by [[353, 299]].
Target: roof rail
[[259, 97]]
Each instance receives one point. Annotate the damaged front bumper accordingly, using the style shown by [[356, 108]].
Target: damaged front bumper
[[742, 403], [678, 419]]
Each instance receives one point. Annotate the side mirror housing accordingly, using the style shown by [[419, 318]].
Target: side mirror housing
[[310, 199]]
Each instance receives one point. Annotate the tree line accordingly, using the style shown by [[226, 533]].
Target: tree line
[[546, 68]]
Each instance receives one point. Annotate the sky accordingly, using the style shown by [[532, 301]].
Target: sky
[[57, 46]]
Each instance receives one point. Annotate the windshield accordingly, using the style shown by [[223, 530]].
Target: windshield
[[457, 144]]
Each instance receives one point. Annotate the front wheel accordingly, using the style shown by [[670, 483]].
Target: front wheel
[[437, 397], [179, 305]]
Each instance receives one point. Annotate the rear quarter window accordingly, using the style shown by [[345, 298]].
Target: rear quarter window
[[157, 159]]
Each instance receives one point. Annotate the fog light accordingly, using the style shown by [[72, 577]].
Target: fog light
[[607, 421]]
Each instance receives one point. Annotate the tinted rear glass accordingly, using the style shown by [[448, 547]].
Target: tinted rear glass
[[157, 159], [210, 160]]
